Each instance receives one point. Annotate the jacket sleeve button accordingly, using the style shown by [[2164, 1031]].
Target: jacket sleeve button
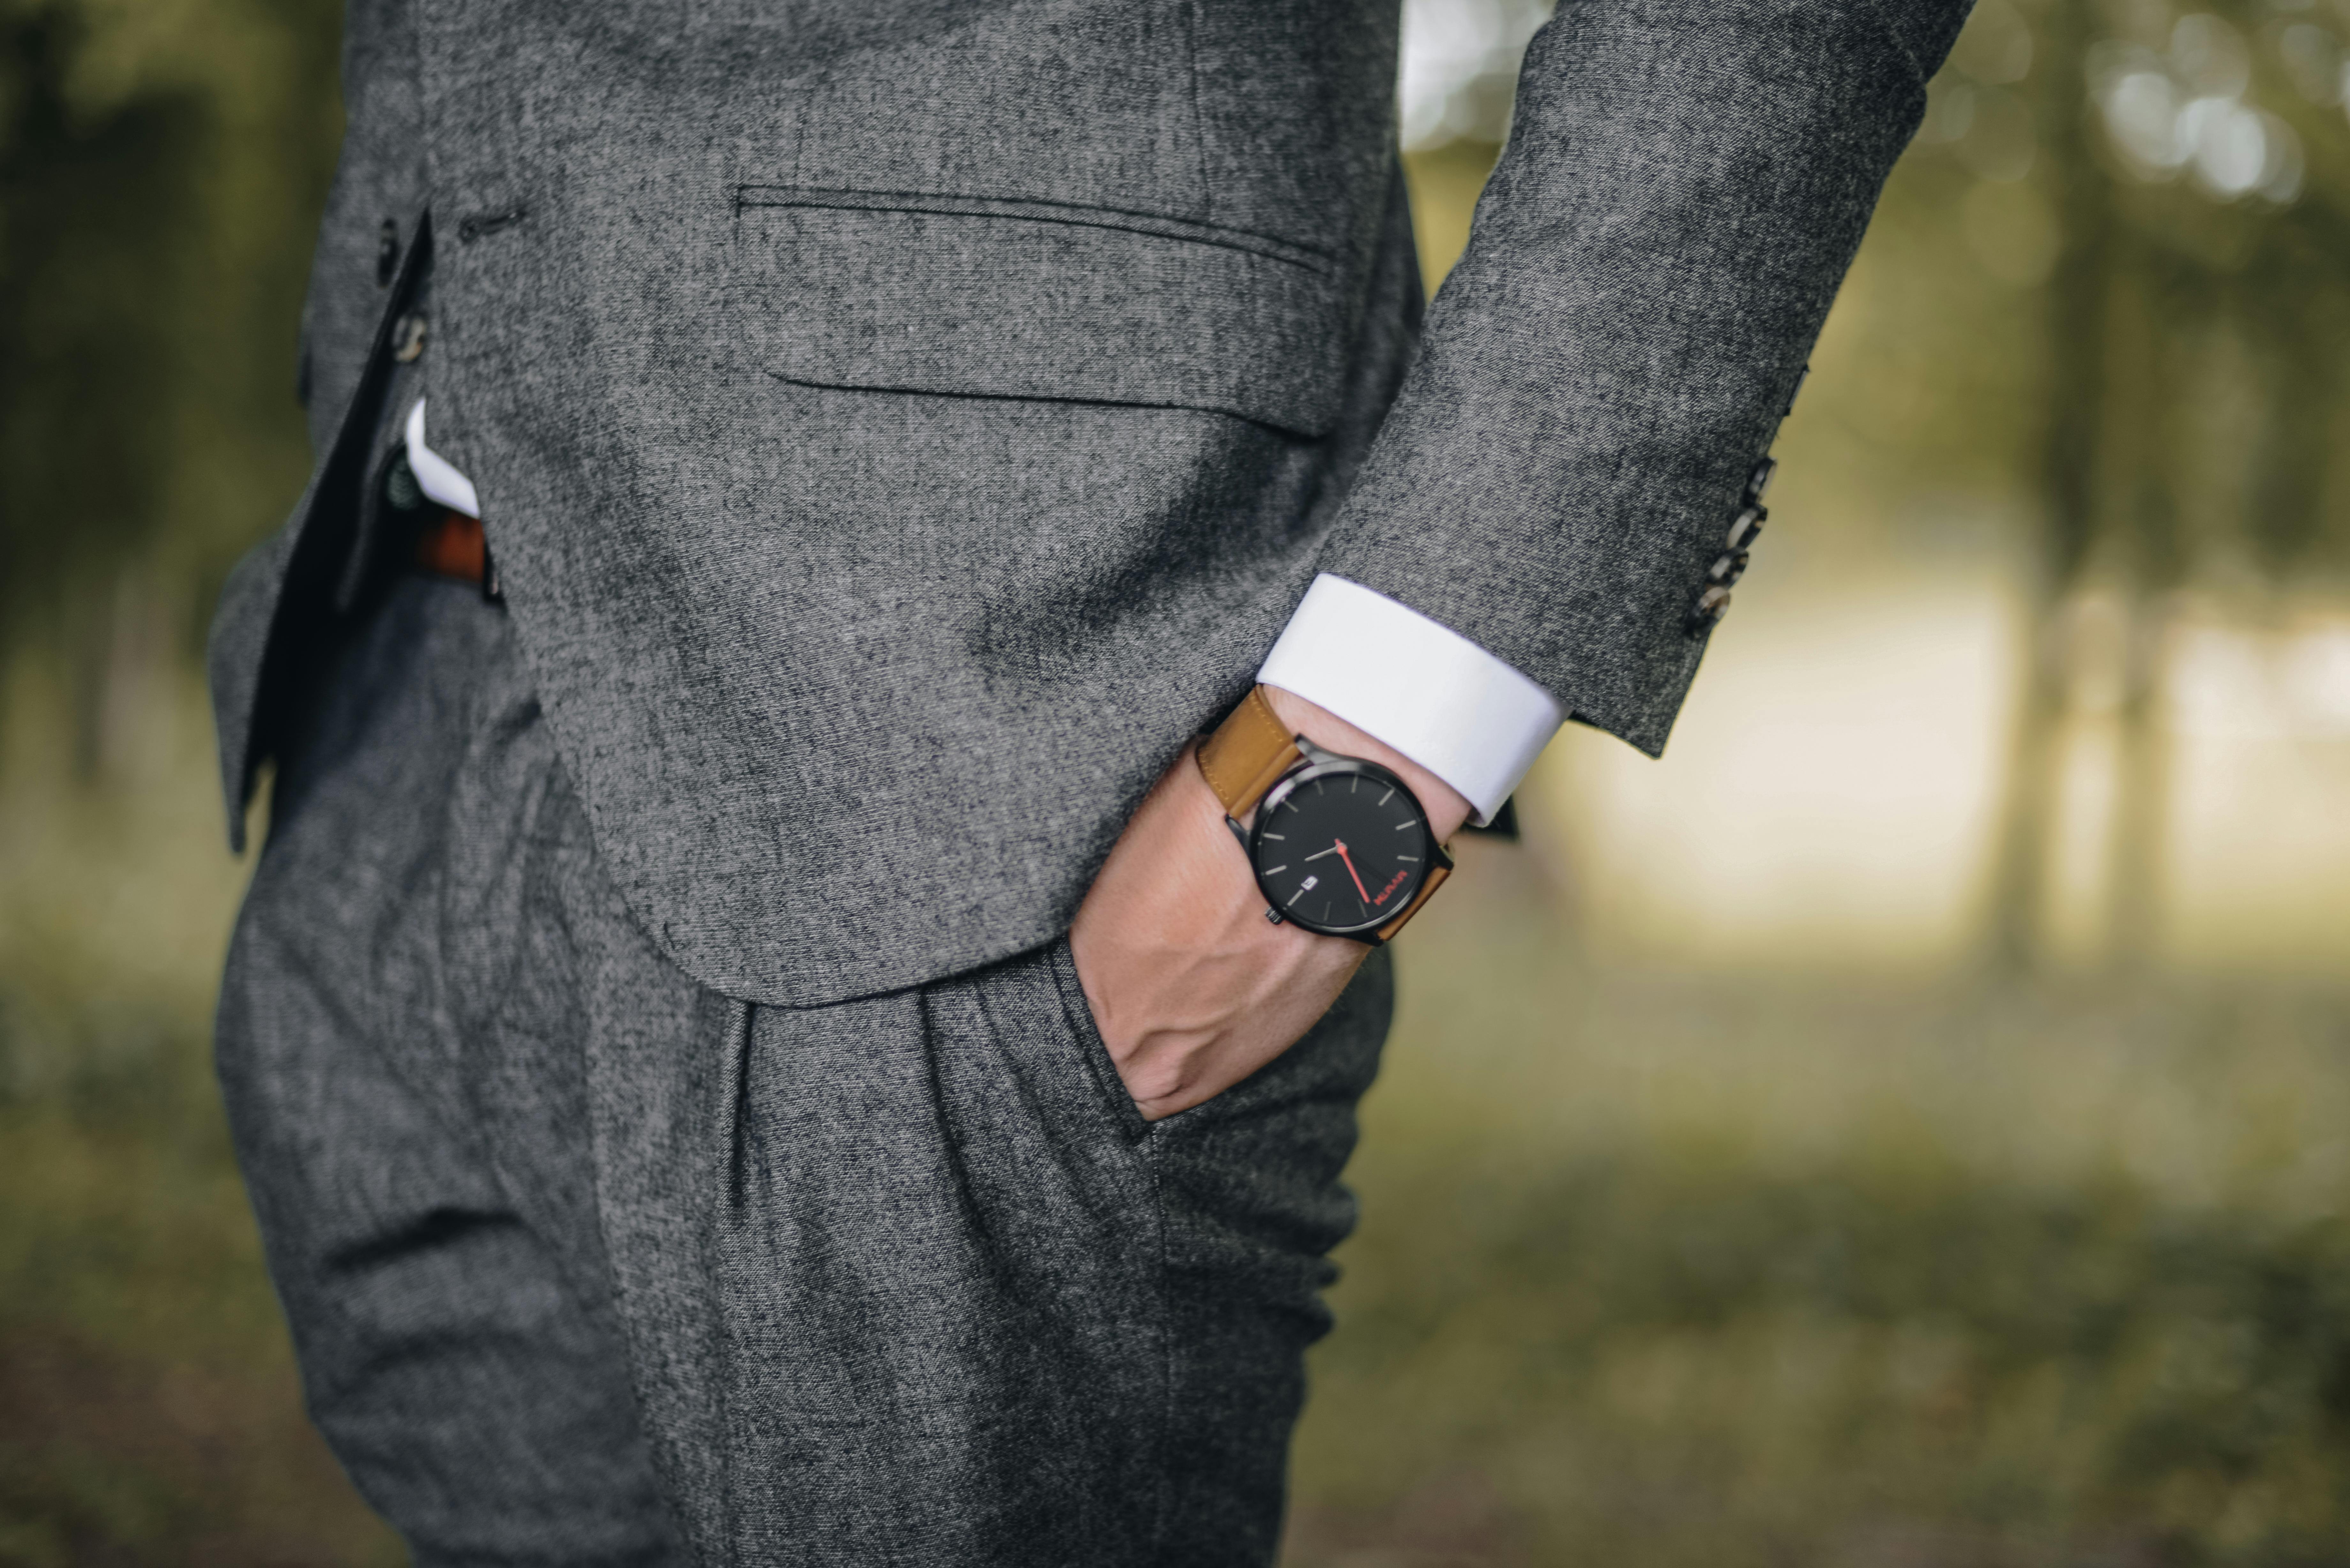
[[1727, 569], [1712, 606], [1758, 483], [1746, 525]]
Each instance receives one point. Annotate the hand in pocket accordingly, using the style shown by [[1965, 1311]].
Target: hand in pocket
[[1192, 987]]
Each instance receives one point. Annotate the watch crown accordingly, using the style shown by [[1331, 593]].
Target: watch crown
[[1272, 915]]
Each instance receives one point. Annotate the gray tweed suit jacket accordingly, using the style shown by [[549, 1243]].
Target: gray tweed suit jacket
[[902, 423]]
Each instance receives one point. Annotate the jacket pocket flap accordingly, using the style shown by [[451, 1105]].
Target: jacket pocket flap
[[972, 298]]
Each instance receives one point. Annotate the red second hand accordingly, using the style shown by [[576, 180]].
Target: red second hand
[[1340, 844]]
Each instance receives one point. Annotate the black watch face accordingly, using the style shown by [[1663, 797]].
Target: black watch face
[[1341, 848]]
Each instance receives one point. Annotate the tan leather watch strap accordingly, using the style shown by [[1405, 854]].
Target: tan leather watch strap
[[1435, 876], [1250, 750]]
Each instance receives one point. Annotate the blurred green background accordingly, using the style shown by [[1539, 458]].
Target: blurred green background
[[1907, 1126]]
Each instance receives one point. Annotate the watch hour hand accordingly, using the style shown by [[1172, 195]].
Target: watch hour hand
[[1319, 852]]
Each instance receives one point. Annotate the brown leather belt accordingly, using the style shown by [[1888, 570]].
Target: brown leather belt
[[450, 545]]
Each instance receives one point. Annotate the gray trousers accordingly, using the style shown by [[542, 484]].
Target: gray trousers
[[587, 1264]]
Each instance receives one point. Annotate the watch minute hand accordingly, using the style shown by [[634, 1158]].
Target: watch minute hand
[[1341, 847]]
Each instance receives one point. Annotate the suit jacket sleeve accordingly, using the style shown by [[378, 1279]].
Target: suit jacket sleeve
[[1685, 185]]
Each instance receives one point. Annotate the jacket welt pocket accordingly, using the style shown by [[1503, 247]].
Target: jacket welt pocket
[[969, 297]]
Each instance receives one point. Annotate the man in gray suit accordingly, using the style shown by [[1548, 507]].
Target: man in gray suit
[[759, 1033]]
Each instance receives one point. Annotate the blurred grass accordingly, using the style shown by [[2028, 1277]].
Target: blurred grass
[[1665, 1267]]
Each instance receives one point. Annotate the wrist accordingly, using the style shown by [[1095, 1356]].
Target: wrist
[[1447, 807]]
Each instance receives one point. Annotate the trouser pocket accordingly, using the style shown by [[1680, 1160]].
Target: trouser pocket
[[975, 1310], [943, 1322], [1058, 963]]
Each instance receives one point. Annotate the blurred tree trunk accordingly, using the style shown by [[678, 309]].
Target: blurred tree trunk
[[2136, 882], [88, 206], [119, 646], [160, 168], [2080, 307], [2144, 443]]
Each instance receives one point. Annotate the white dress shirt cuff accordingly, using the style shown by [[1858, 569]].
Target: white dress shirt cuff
[[1419, 685], [435, 475]]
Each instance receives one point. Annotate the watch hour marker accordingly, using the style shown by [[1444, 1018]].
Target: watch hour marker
[[1406, 822], [1278, 870], [1413, 859], [1387, 797], [1275, 836], [1354, 783], [1294, 897]]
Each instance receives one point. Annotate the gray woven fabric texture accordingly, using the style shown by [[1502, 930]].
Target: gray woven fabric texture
[[399, 1053], [901, 426], [899, 1281]]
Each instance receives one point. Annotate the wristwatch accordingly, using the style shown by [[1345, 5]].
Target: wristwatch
[[1341, 846]]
